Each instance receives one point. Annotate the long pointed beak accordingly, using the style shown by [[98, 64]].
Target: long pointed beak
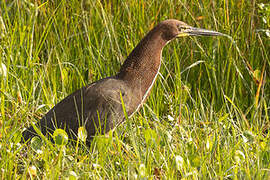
[[192, 31], [202, 32]]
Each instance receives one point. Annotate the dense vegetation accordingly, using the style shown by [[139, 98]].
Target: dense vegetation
[[207, 115]]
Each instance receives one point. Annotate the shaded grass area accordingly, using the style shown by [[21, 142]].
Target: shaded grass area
[[206, 117]]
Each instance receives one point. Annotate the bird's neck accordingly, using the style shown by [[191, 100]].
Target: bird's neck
[[141, 67]]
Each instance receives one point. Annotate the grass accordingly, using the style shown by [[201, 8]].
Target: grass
[[208, 113]]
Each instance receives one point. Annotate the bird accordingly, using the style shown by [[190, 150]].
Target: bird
[[102, 105]]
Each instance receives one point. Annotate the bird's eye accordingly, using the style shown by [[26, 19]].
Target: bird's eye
[[182, 28]]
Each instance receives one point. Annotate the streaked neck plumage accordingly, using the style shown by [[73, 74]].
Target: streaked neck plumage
[[141, 67]]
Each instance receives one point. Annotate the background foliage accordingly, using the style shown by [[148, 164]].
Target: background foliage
[[207, 116]]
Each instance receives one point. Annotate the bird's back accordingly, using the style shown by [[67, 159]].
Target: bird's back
[[97, 107]]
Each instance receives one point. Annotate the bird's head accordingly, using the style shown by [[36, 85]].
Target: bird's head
[[173, 28]]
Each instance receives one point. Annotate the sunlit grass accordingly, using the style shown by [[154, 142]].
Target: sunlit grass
[[207, 116]]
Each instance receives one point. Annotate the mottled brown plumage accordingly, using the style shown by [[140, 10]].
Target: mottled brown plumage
[[98, 106]]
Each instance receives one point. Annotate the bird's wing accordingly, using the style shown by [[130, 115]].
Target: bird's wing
[[104, 106], [97, 106], [65, 115]]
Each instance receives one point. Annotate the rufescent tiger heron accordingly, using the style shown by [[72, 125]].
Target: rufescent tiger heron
[[99, 106]]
